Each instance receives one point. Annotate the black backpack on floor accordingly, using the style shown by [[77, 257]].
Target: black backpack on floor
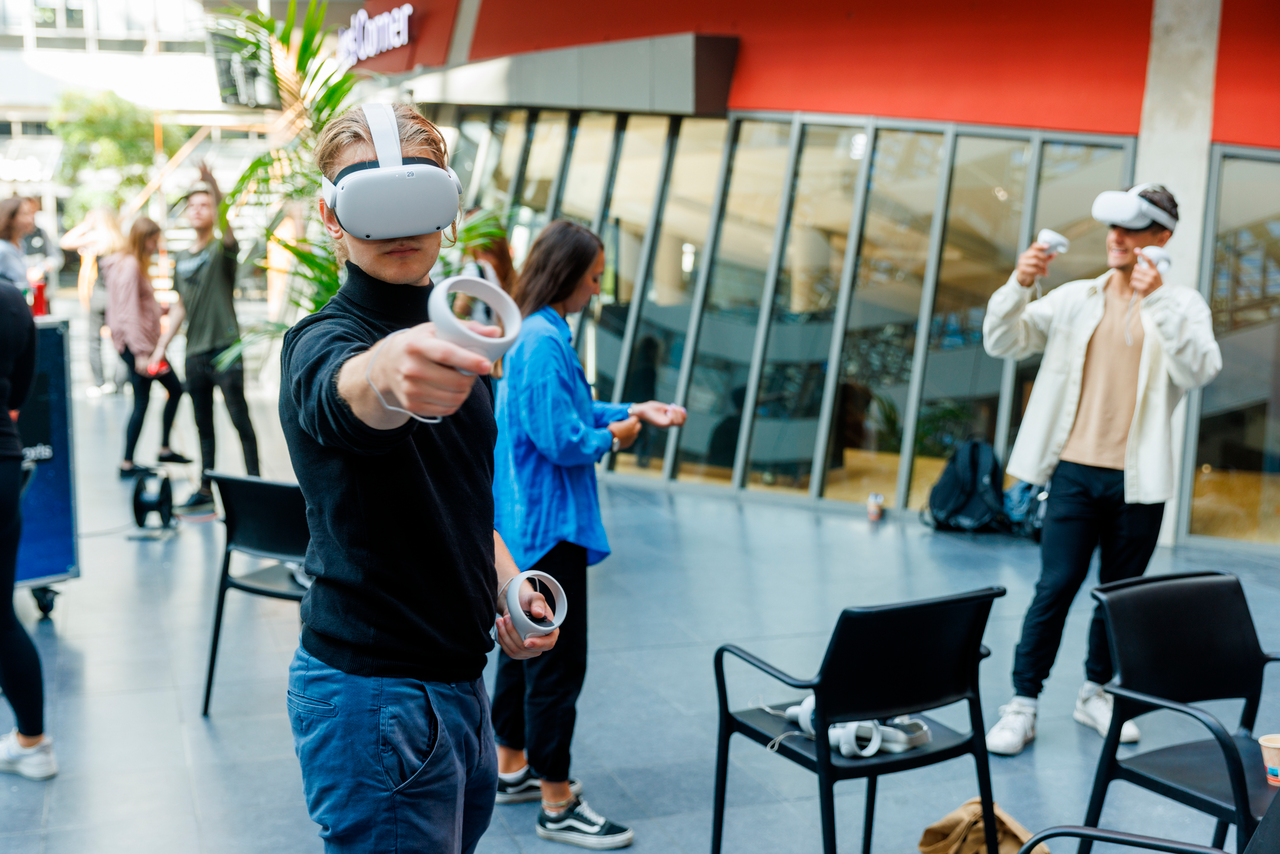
[[969, 495]]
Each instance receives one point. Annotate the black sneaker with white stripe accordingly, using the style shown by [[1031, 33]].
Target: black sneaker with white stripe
[[526, 788], [582, 826]]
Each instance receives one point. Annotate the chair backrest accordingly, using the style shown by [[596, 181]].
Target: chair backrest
[[1266, 839], [897, 659], [1185, 637], [264, 518]]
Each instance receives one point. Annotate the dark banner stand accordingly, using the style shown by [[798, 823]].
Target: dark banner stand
[[48, 549]]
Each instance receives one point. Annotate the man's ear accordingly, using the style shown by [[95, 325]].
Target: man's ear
[[1161, 238], [331, 226]]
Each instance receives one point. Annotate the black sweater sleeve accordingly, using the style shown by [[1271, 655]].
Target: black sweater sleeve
[[312, 359], [24, 371]]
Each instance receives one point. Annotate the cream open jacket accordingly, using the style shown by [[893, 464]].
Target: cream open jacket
[[1178, 353]]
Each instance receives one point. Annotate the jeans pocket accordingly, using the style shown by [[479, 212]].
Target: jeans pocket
[[304, 705], [410, 730]]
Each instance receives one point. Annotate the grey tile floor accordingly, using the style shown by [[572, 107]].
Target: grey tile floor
[[142, 771]]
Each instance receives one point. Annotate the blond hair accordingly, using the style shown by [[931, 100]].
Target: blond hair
[[106, 230], [417, 133], [143, 229]]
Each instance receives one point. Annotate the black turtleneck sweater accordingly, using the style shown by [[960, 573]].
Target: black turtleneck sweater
[[401, 520]]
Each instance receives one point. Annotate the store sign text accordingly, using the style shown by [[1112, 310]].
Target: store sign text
[[367, 37]]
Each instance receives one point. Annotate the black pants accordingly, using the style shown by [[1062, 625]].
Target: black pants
[[535, 701], [202, 377], [1086, 510], [142, 397], [20, 676]]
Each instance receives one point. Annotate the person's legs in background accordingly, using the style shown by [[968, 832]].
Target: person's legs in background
[[231, 382], [200, 386], [141, 384], [26, 750], [173, 388], [97, 320], [1070, 534], [1128, 537]]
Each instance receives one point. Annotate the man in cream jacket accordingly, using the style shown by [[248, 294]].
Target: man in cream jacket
[[1119, 353]]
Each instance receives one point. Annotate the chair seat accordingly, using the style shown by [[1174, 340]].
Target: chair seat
[[1197, 769], [275, 580], [763, 727]]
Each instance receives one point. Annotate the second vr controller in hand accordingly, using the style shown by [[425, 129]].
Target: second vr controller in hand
[[1056, 243], [450, 328], [524, 623]]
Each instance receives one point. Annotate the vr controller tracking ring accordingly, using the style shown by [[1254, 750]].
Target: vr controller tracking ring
[[524, 624], [455, 331]]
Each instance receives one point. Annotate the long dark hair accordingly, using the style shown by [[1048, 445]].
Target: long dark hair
[[560, 257]]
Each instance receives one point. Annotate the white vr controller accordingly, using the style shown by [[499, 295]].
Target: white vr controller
[[1158, 256], [1058, 245], [521, 620], [901, 735], [450, 328]]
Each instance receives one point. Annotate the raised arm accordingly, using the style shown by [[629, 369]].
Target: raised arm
[[228, 235], [1184, 326]]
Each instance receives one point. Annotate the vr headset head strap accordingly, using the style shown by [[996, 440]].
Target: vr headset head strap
[[1153, 212], [381, 119]]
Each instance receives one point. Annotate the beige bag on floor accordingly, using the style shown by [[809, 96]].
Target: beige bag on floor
[[962, 832]]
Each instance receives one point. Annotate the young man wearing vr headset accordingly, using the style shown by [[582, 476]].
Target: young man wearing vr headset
[[393, 447], [1119, 353]]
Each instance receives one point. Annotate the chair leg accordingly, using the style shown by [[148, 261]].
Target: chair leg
[[722, 778], [1220, 834], [983, 768], [1243, 835], [1100, 783], [868, 821], [827, 805], [213, 646]]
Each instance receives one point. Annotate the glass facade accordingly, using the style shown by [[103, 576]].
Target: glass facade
[[726, 281], [1236, 484]]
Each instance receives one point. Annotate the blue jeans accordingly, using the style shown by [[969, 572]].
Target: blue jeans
[[392, 765]]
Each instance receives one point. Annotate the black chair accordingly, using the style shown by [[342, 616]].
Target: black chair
[[1266, 839], [264, 520], [881, 662], [1175, 640]]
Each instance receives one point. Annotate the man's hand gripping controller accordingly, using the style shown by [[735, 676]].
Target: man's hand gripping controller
[[522, 621]]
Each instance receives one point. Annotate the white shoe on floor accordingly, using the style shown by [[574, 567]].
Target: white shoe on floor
[[34, 763], [1093, 709], [1015, 729]]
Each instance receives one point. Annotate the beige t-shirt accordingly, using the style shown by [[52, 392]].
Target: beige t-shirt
[[1108, 389]]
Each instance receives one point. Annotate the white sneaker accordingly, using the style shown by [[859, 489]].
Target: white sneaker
[[34, 763], [93, 391], [1015, 729], [1093, 708]]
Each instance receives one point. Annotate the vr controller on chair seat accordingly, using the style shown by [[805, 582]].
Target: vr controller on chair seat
[[450, 328], [393, 196], [864, 738]]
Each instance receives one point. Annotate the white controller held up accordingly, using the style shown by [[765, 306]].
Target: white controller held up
[[450, 328], [1158, 256], [1058, 245]]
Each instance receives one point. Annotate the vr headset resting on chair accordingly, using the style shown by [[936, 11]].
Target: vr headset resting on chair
[[393, 196]]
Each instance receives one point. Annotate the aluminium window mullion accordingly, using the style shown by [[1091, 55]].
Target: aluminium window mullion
[[700, 291], [517, 179], [600, 217], [482, 160], [556, 194], [1009, 370], [765, 318], [929, 288], [844, 302], [1195, 399]]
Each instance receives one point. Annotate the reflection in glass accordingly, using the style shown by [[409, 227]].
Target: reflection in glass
[[1237, 479], [502, 160], [588, 168], [786, 419], [546, 151], [469, 146], [980, 248], [718, 384], [630, 208], [1071, 176], [879, 340], [654, 366]]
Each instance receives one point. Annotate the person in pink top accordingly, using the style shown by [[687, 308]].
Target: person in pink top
[[134, 317]]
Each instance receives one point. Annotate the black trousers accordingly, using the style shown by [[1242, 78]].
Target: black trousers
[[20, 676], [202, 378], [1086, 510], [142, 398], [535, 701]]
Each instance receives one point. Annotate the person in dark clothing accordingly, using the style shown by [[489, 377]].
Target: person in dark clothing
[[26, 750], [393, 448], [205, 277]]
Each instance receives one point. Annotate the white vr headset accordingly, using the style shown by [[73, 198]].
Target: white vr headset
[[393, 196], [1129, 210]]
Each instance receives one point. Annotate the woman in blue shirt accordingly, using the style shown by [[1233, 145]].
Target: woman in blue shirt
[[551, 433]]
